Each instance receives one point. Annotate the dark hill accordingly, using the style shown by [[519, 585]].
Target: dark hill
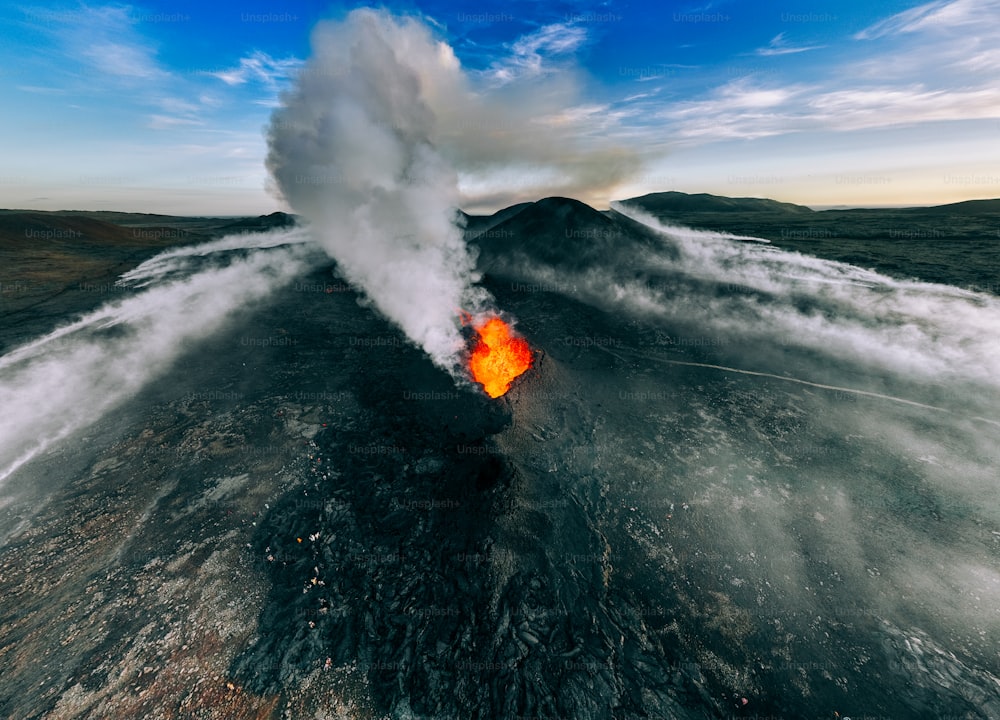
[[260, 223], [110, 216], [560, 231], [23, 230], [678, 202], [968, 207]]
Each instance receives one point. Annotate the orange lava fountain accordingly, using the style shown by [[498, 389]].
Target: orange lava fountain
[[498, 358]]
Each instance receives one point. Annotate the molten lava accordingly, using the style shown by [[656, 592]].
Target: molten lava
[[497, 357]]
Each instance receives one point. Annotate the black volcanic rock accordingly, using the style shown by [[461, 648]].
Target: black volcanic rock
[[560, 232]]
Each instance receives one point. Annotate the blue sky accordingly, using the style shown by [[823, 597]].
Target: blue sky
[[161, 106]]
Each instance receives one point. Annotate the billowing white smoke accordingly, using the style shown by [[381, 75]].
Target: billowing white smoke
[[352, 151]]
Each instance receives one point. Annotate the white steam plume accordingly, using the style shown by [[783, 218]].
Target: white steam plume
[[352, 151]]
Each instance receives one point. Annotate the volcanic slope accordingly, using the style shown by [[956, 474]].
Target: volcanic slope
[[646, 530], [557, 232], [736, 483]]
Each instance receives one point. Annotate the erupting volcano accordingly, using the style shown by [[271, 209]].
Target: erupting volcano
[[498, 358]]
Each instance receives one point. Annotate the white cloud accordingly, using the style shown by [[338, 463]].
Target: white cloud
[[744, 111], [779, 46], [40, 90], [123, 60], [104, 43], [738, 109], [528, 55], [741, 96], [906, 21], [940, 15], [177, 105], [102, 38], [106, 58], [169, 122], [879, 107], [985, 60], [259, 67], [942, 66]]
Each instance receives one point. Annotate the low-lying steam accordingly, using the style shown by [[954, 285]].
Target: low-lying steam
[[68, 379]]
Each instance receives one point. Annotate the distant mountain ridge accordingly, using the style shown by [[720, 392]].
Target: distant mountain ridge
[[129, 219], [673, 201], [111, 216], [261, 222], [29, 229], [966, 207]]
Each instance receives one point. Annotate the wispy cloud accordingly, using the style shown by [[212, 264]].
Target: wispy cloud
[[942, 66], [940, 15], [982, 60], [100, 51], [952, 45], [879, 107], [106, 43], [779, 46], [748, 112], [178, 105], [102, 39], [109, 59], [738, 109], [170, 122], [259, 67], [41, 90], [123, 60], [556, 39], [529, 55]]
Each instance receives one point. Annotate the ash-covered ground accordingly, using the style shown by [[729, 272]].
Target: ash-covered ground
[[737, 482]]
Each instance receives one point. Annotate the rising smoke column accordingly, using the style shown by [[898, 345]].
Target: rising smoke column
[[351, 151]]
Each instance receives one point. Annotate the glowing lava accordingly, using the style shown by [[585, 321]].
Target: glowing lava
[[498, 358]]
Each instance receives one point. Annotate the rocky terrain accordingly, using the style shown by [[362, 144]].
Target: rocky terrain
[[662, 519]]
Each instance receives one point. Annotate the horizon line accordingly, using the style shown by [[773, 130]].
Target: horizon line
[[816, 208]]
